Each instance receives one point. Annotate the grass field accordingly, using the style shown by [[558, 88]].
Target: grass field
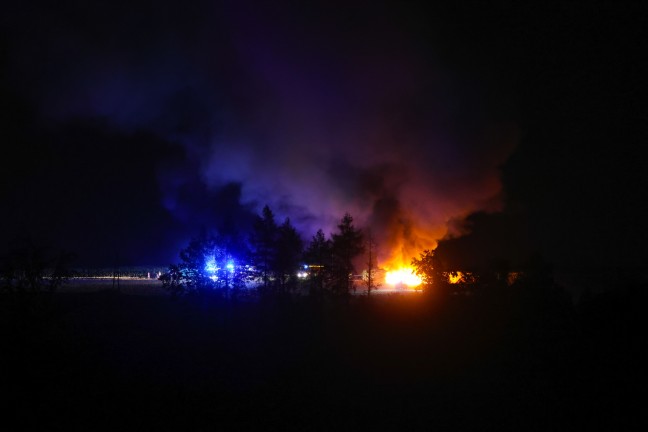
[[125, 285], [105, 360]]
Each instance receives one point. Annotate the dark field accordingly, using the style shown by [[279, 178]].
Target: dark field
[[111, 361]]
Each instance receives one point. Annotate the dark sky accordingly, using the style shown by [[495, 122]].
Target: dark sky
[[510, 128]]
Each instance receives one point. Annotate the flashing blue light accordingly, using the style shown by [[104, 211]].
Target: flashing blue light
[[230, 266], [305, 266], [210, 265]]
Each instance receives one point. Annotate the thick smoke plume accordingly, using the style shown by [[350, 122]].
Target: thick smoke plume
[[362, 121], [313, 110]]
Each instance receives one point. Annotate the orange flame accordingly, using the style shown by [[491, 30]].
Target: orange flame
[[405, 238], [404, 275], [455, 277]]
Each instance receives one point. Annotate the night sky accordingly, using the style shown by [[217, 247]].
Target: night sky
[[507, 129]]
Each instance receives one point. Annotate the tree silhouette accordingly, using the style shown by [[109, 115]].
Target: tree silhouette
[[370, 281], [206, 267], [428, 268], [318, 256], [264, 241], [288, 251], [347, 244], [31, 268]]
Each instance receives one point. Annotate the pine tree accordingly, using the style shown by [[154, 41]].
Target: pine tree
[[287, 259], [318, 256], [207, 267], [347, 244], [264, 247]]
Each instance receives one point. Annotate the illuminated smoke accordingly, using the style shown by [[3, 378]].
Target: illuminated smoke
[[305, 112], [366, 125]]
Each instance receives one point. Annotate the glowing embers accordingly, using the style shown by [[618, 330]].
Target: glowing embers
[[456, 277], [402, 276]]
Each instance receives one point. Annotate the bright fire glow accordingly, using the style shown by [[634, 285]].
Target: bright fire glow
[[455, 277], [404, 275]]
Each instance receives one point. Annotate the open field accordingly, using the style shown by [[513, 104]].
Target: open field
[[149, 286], [125, 285], [109, 361]]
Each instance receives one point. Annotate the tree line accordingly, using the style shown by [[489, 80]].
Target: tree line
[[32, 268], [273, 256]]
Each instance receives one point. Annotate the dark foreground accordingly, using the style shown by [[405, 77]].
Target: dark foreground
[[108, 361]]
